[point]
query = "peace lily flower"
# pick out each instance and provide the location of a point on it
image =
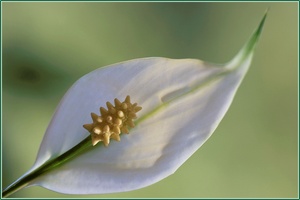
(160, 110)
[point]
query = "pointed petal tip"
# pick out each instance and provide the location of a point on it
(250, 45)
(248, 49)
(261, 25)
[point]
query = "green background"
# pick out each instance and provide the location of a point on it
(253, 153)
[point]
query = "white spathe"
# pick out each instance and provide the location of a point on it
(158, 145)
(183, 102)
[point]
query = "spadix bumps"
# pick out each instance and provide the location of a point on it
(113, 121)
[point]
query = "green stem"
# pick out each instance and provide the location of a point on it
(58, 161)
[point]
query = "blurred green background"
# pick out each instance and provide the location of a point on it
(253, 153)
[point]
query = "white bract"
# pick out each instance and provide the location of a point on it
(182, 103)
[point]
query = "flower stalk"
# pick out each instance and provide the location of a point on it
(78, 149)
